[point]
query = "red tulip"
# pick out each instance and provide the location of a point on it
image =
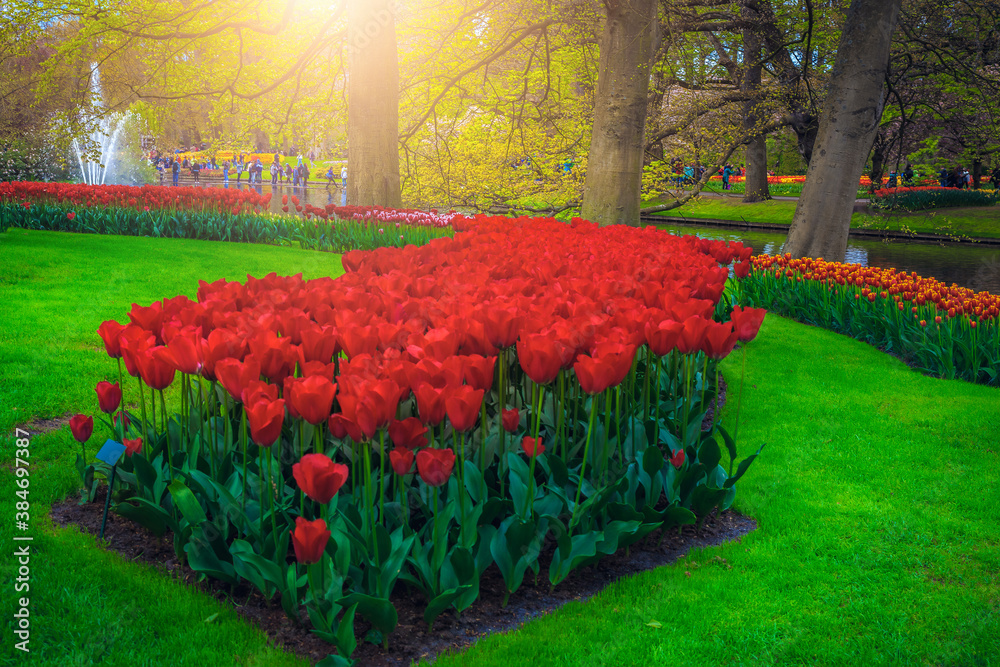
(409, 433)
(133, 447)
(342, 427)
(479, 371)
(693, 334)
(747, 322)
(319, 477)
(719, 340)
(220, 344)
(185, 349)
(502, 324)
(311, 397)
(462, 405)
(82, 427)
(662, 337)
(265, 419)
(375, 407)
(109, 332)
(236, 375)
(742, 269)
(435, 465)
(677, 460)
(532, 446)
(149, 318)
(133, 343)
(594, 375)
(319, 345)
(157, 368)
(401, 460)
(511, 420)
(430, 403)
(70, 216)
(276, 356)
(258, 390)
(540, 357)
(309, 540)
(109, 396)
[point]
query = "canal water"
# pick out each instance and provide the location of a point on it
(965, 264)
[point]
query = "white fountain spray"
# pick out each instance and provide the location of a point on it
(104, 135)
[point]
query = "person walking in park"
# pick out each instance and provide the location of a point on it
(343, 177)
(275, 170)
(239, 171)
(225, 173)
(329, 177)
(288, 173)
(176, 171)
(995, 178)
(727, 171)
(196, 171)
(908, 174)
(305, 175)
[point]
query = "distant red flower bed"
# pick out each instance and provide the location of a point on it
(146, 197)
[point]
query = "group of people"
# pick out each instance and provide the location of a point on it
(959, 177)
(297, 176)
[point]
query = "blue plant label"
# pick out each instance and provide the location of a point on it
(111, 452)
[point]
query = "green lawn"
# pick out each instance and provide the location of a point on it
(877, 497)
(968, 221)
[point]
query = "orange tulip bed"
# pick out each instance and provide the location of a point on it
(952, 332)
(437, 412)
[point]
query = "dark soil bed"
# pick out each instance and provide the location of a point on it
(411, 640)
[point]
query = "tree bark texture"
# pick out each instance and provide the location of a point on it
(612, 188)
(851, 116)
(755, 183)
(372, 105)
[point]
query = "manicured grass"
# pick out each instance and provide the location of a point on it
(89, 606)
(876, 497)
(968, 221)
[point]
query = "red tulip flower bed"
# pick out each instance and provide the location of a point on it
(209, 214)
(952, 331)
(928, 197)
(435, 412)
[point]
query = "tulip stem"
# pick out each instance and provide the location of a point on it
(381, 475)
(184, 385)
(483, 433)
(645, 389)
(656, 398)
(163, 418)
(270, 501)
(243, 442)
(121, 404)
(561, 408)
(260, 478)
(502, 407)
(369, 501)
(583, 468)
(142, 404)
(302, 452)
(607, 432)
(461, 486)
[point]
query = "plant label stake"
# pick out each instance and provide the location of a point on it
(109, 453)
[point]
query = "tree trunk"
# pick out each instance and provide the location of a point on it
(851, 116)
(611, 191)
(879, 146)
(373, 105)
(755, 185)
(977, 172)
